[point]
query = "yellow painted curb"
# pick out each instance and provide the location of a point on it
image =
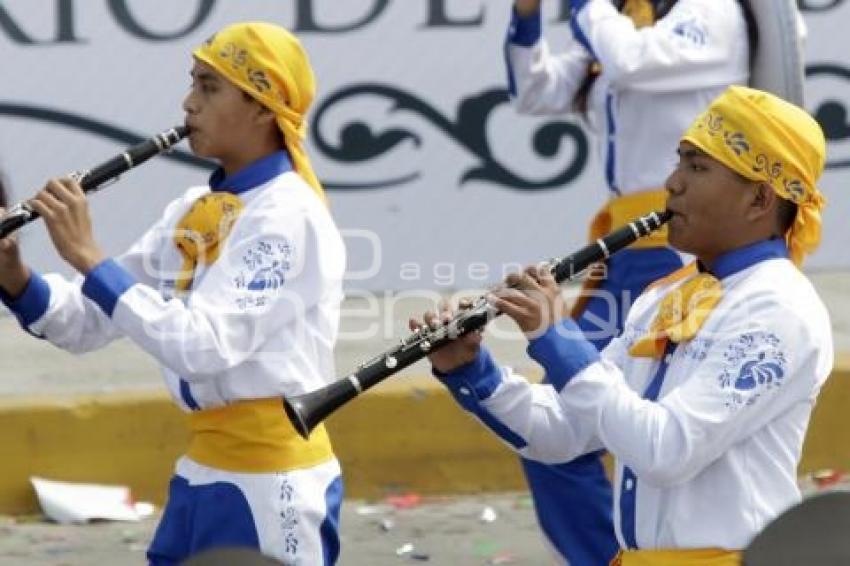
(128, 439)
(407, 434)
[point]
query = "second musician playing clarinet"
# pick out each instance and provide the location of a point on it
(705, 398)
(235, 291)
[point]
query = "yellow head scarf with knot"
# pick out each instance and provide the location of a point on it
(269, 64)
(765, 138)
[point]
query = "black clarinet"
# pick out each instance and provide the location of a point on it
(93, 179)
(308, 410)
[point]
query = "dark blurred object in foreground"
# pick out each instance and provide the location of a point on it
(813, 533)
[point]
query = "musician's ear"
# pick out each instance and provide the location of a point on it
(264, 115)
(763, 197)
(262, 112)
(762, 204)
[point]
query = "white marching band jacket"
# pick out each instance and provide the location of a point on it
(714, 458)
(259, 322)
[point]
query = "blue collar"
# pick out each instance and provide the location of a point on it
(260, 171)
(742, 258)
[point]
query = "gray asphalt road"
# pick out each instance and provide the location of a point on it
(480, 530)
(467, 531)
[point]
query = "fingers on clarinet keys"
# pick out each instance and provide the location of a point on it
(5, 243)
(520, 281)
(467, 304)
(414, 325)
(432, 319)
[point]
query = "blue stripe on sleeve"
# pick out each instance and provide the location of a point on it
(106, 283)
(578, 33)
(481, 376)
(31, 305)
(563, 351)
(475, 382)
(525, 31)
(500, 429)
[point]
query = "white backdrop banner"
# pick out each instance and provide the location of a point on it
(433, 178)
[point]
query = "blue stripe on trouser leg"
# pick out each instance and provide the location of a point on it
(197, 518)
(170, 543)
(628, 274)
(329, 530)
(573, 500)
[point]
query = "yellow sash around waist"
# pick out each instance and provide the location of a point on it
(684, 557)
(619, 211)
(616, 213)
(254, 436)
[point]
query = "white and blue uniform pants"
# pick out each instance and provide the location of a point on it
(291, 516)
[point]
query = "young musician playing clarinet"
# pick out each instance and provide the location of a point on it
(235, 291)
(636, 72)
(705, 398)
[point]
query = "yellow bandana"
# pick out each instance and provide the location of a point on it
(765, 138)
(641, 12)
(681, 313)
(269, 64)
(202, 230)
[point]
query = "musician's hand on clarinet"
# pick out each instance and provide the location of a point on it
(14, 275)
(532, 299)
(64, 207)
(456, 353)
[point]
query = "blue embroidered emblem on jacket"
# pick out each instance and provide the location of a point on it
(263, 273)
(272, 277)
(754, 365)
(692, 31)
(758, 372)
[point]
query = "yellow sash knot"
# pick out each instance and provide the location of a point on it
(202, 231)
(681, 314)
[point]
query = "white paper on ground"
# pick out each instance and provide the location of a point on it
(66, 502)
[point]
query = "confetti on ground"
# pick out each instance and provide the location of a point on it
(488, 515)
(406, 501)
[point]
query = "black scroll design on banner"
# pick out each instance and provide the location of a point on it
(818, 5)
(97, 128)
(359, 143)
(831, 113)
